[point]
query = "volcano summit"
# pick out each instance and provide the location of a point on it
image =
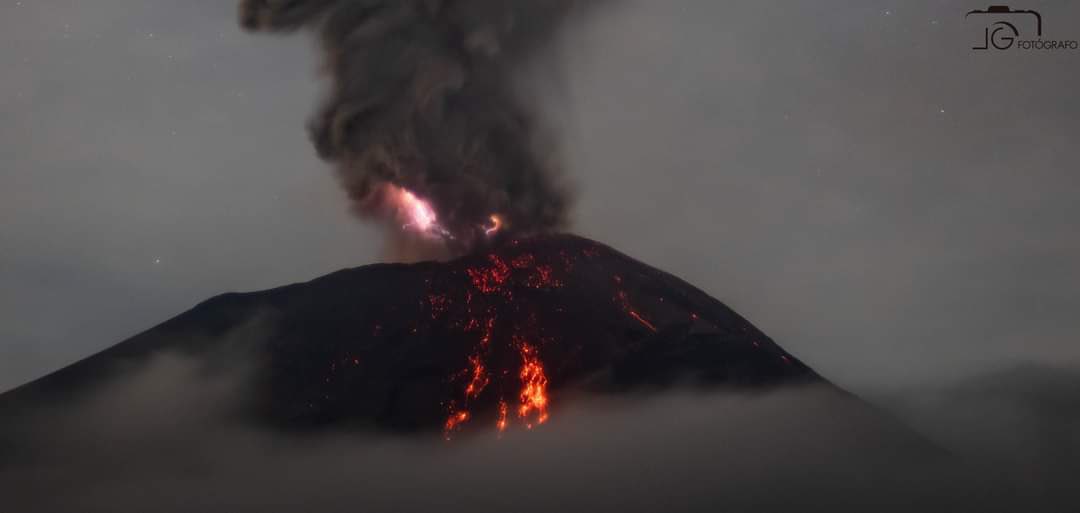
(492, 341)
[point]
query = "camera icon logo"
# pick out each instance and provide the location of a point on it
(1002, 32)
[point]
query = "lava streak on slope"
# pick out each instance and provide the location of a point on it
(493, 341)
(497, 339)
(511, 306)
(490, 291)
(533, 386)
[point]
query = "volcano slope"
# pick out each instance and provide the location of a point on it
(491, 341)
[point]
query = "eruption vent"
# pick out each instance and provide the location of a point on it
(421, 101)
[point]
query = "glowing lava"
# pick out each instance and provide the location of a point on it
(491, 279)
(456, 420)
(489, 304)
(624, 302)
(504, 362)
(479, 377)
(533, 395)
(503, 411)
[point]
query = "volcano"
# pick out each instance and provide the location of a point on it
(495, 340)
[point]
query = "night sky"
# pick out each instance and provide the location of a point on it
(888, 204)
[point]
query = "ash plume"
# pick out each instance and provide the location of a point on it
(422, 100)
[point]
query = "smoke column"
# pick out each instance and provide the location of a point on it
(422, 114)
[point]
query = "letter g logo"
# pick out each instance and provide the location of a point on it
(1000, 36)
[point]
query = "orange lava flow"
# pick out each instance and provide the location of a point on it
(479, 377)
(439, 304)
(503, 411)
(455, 420)
(624, 302)
(642, 320)
(490, 280)
(534, 399)
(489, 290)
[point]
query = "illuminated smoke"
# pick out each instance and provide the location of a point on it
(415, 214)
(421, 99)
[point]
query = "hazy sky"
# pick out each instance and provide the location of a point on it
(887, 203)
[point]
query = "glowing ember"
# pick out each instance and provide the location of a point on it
(490, 286)
(503, 411)
(642, 320)
(533, 386)
(543, 278)
(489, 289)
(479, 377)
(489, 280)
(523, 261)
(455, 421)
(439, 304)
(624, 303)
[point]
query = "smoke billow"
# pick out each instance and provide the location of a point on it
(422, 99)
(168, 432)
(165, 438)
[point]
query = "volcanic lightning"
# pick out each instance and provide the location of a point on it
(417, 214)
(423, 98)
(496, 225)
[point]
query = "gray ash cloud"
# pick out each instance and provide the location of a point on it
(422, 97)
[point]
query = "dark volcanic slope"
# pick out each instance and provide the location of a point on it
(495, 339)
